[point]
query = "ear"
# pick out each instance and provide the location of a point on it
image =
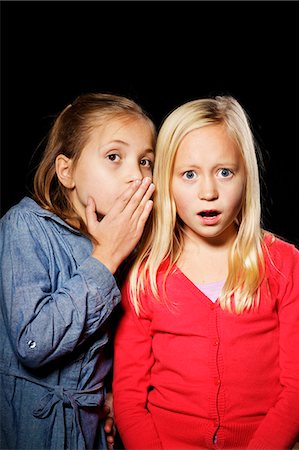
(63, 167)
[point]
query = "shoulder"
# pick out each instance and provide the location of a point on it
(281, 258)
(29, 229)
(20, 218)
(26, 210)
(28, 216)
(279, 248)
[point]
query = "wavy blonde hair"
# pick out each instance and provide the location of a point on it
(68, 136)
(163, 238)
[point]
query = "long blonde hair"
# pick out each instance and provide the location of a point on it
(68, 136)
(164, 236)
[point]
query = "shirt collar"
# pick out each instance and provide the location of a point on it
(31, 204)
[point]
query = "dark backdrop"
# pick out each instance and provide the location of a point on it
(161, 54)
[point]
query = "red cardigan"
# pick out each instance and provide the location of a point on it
(196, 377)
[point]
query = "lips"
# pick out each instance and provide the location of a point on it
(209, 217)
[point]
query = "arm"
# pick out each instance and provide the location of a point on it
(50, 305)
(133, 360)
(280, 427)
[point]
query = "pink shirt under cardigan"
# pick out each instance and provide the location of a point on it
(197, 377)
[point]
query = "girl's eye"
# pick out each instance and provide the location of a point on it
(113, 157)
(146, 163)
(225, 173)
(189, 175)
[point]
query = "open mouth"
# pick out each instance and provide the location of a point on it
(210, 217)
(211, 213)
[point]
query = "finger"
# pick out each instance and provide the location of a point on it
(144, 216)
(142, 212)
(90, 213)
(110, 437)
(141, 196)
(110, 446)
(122, 201)
(105, 411)
(147, 196)
(108, 427)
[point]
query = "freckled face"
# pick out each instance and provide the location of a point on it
(115, 155)
(208, 183)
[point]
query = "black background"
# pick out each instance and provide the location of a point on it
(161, 54)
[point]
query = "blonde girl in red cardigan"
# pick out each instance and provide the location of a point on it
(206, 354)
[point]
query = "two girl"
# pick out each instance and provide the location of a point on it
(206, 353)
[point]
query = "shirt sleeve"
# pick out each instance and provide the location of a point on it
(50, 306)
(280, 427)
(133, 360)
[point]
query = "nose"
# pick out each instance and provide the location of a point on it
(208, 189)
(134, 173)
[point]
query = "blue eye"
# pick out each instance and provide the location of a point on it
(189, 175)
(225, 173)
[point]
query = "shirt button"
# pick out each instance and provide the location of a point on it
(216, 342)
(31, 344)
(217, 381)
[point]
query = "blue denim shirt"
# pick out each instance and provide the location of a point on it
(56, 301)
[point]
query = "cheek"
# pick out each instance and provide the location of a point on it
(181, 202)
(147, 172)
(175, 196)
(234, 198)
(106, 195)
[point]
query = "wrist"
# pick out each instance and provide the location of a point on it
(107, 260)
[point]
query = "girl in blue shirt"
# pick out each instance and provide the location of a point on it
(59, 251)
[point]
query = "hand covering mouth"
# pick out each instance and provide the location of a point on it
(209, 213)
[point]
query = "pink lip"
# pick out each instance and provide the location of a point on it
(209, 219)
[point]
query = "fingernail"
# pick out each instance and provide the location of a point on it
(145, 180)
(137, 182)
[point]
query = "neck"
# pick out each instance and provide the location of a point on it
(198, 243)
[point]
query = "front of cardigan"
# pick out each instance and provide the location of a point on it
(193, 376)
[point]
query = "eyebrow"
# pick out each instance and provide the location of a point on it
(149, 150)
(119, 141)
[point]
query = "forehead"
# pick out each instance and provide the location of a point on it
(123, 128)
(133, 134)
(113, 123)
(208, 143)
